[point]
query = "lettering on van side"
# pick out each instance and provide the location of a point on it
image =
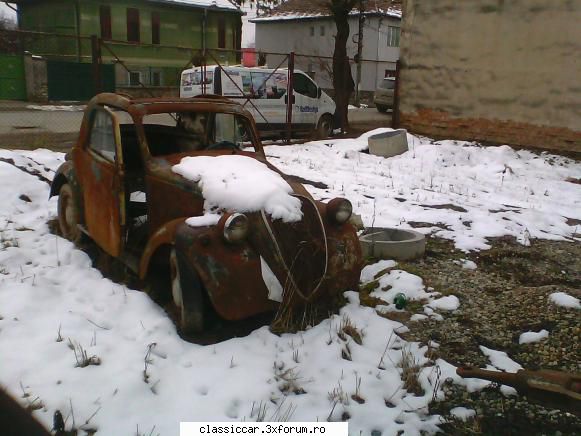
(313, 109)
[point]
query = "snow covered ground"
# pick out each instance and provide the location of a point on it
(54, 304)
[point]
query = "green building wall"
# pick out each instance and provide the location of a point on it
(179, 27)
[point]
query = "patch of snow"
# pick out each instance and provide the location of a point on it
(398, 281)
(369, 272)
(564, 300)
(462, 413)
(241, 184)
(528, 337)
(222, 4)
(467, 192)
(138, 197)
(120, 326)
(275, 289)
(209, 219)
(449, 302)
(361, 106)
(500, 360)
(56, 108)
(466, 264)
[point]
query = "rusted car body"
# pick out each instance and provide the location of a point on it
(118, 154)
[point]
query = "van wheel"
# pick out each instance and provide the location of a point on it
(381, 108)
(325, 127)
(68, 214)
(187, 294)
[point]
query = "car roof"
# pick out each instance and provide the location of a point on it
(210, 103)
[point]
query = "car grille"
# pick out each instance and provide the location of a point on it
(302, 246)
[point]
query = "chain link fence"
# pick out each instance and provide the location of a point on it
(47, 78)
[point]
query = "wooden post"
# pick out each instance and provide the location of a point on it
(395, 111)
(290, 95)
(96, 60)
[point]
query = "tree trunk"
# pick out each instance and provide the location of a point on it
(342, 78)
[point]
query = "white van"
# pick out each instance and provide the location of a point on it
(266, 90)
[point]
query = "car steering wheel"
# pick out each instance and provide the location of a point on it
(223, 145)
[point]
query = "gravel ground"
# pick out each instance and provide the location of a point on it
(506, 295)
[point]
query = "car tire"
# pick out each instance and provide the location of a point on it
(68, 214)
(187, 295)
(325, 127)
(381, 108)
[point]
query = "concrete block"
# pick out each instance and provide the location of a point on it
(390, 243)
(388, 144)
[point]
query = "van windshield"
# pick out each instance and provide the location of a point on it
(195, 78)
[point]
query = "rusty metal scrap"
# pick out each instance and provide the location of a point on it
(557, 389)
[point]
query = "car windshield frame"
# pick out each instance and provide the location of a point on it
(140, 110)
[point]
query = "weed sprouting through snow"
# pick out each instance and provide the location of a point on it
(410, 371)
(81, 357)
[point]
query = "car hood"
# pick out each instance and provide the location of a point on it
(296, 252)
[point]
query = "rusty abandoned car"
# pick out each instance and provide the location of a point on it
(121, 187)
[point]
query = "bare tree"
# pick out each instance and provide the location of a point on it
(262, 6)
(342, 78)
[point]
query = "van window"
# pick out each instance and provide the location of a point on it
(303, 85)
(265, 85)
(195, 78)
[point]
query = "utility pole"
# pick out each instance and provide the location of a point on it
(359, 51)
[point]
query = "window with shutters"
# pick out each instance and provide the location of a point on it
(155, 28)
(133, 25)
(105, 19)
(221, 33)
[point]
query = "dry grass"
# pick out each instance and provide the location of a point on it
(410, 371)
(347, 328)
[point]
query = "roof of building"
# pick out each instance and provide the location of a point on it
(312, 9)
(218, 4)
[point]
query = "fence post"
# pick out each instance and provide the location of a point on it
(290, 95)
(96, 60)
(395, 110)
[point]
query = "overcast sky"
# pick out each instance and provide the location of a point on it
(247, 28)
(6, 11)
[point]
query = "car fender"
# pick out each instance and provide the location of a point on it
(165, 235)
(231, 273)
(66, 174)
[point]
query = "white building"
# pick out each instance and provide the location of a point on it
(306, 27)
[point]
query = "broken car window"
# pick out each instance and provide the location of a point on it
(102, 139)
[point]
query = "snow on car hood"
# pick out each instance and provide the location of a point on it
(241, 184)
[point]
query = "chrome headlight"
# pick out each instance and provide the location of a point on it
(236, 227)
(339, 210)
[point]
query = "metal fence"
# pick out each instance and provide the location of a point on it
(45, 79)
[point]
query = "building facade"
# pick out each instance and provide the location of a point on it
(306, 28)
(490, 70)
(154, 38)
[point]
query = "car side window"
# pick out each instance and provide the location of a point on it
(102, 138)
(303, 85)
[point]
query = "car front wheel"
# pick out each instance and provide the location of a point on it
(68, 214)
(381, 108)
(187, 295)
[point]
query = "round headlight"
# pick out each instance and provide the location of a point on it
(339, 210)
(236, 227)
